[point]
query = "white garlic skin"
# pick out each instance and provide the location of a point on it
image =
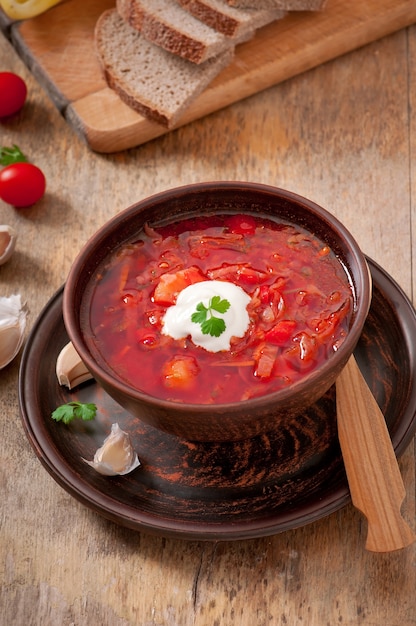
(8, 238)
(70, 370)
(116, 456)
(13, 316)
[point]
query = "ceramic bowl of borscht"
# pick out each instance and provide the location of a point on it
(218, 311)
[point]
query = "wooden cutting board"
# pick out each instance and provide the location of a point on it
(58, 47)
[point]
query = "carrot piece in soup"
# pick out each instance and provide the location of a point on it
(170, 285)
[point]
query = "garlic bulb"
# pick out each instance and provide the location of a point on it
(12, 327)
(8, 238)
(70, 369)
(116, 456)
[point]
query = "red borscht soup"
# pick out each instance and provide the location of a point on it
(220, 308)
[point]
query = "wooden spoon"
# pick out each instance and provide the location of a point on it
(373, 474)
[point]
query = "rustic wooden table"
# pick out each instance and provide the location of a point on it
(344, 135)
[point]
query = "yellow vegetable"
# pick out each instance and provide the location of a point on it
(24, 9)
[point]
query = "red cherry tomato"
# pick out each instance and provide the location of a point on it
(13, 93)
(22, 184)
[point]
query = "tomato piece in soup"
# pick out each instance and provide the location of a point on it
(281, 333)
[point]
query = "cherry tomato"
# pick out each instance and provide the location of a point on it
(22, 184)
(13, 93)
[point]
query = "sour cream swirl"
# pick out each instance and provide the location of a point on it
(177, 322)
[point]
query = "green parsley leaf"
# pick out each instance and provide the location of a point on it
(219, 305)
(8, 156)
(213, 326)
(200, 314)
(67, 412)
(210, 324)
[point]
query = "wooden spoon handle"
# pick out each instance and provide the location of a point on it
(373, 474)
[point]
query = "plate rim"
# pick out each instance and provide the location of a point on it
(137, 519)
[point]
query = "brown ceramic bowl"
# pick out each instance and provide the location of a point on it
(221, 422)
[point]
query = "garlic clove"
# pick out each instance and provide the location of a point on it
(13, 316)
(8, 238)
(70, 369)
(116, 456)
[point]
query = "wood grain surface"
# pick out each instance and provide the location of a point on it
(58, 45)
(342, 134)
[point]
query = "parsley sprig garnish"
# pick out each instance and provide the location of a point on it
(210, 324)
(67, 412)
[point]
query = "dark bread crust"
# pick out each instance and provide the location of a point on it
(196, 47)
(160, 32)
(228, 20)
(285, 5)
(138, 106)
(221, 22)
(153, 82)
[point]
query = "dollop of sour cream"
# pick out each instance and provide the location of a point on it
(177, 321)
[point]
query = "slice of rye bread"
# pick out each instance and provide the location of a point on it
(150, 80)
(167, 24)
(229, 20)
(285, 5)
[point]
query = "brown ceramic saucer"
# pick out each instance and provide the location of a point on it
(238, 490)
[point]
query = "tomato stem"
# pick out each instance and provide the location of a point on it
(8, 156)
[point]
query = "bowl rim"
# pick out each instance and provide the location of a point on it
(361, 277)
